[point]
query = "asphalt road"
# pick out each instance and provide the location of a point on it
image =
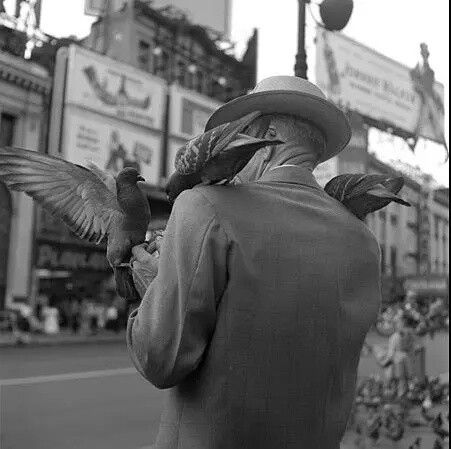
(90, 397)
(75, 397)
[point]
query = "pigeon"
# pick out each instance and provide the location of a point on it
(91, 202)
(437, 427)
(364, 194)
(416, 444)
(217, 155)
(439, 443)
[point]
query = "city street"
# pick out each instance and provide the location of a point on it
(90, 397)
(75, 397)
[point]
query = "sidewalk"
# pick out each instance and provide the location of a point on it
(65, 338)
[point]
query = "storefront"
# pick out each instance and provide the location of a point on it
(428, 287)
(24, 90)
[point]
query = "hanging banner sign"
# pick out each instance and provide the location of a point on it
(379, 88)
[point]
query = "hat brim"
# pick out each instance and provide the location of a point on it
(322, 113)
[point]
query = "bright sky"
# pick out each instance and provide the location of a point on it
(392, 27)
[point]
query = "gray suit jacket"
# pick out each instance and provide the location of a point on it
(257, 317)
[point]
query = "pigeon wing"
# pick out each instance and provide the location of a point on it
(108, 179)
(74, 193)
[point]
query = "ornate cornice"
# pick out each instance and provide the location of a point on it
(24, 74)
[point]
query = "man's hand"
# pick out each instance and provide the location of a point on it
(145, 265)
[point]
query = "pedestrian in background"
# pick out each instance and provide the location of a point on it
(400, 354)
(75, 315)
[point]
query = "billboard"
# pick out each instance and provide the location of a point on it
(110, 144)
(112, 114)
(217, 15)
(114, 89)
(379, 88)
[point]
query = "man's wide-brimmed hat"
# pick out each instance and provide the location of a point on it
(294, 96)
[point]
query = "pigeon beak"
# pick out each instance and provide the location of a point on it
(382, 192)
(243, 140)
(141, 179)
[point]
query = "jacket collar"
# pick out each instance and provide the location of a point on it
(292, 175)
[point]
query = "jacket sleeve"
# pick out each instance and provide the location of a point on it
(167, 335)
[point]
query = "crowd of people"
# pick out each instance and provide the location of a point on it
(75, 314)
(424, 316)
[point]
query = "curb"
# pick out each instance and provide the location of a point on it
(65, 341)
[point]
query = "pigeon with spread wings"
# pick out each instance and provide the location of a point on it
(93, 203)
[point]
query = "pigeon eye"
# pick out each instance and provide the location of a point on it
(272, 133)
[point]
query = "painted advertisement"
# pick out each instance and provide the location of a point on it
(109, 87)
(111, 145)
(377, 87)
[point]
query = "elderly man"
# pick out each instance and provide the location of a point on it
(264, 293)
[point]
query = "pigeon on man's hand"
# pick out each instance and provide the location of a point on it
(215, 156)
(364, 194)
(91, 202)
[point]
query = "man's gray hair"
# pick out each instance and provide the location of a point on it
(303, 132)
(294, 128)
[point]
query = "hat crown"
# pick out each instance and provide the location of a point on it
(289, 83)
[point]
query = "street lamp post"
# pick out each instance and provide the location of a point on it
(335, 15)
(300, 69)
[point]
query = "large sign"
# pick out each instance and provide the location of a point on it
(217, 15)
(114, 89)
(377, 87)
(69, 257)
(111, 145)
(112, 114)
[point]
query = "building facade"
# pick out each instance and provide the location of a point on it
(24, 95)
(167, 44)
(414, 241)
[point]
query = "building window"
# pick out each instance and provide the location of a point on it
(437, 227)
(394, 261)
(394, 220)
(7, 128)
(144, 56)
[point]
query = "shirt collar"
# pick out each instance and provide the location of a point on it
(291, 174)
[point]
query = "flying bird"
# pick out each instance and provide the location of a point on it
(217, 155)
(364, 194)
(93, 203)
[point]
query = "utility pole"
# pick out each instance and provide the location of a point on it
(300, 69)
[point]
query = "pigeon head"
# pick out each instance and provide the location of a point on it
(129, 175)
(364, 194)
